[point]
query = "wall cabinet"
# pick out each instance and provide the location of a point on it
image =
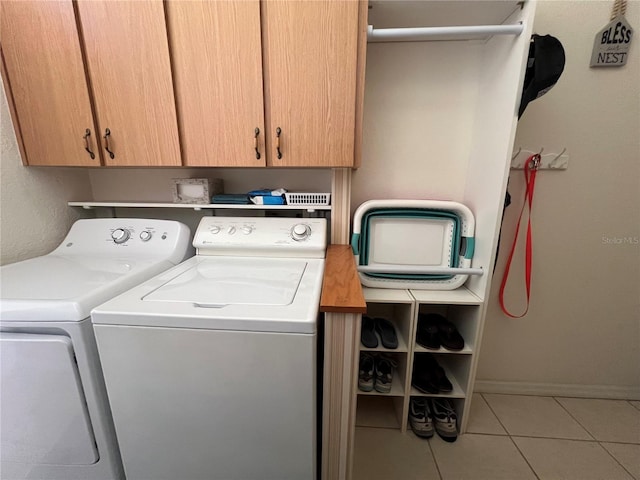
(256, 83)
(44, 75)
(306, 56)
(126, 57)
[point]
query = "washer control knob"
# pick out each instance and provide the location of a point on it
(120, 235)
(300, 232)
(231, 230)
(145, 235)
(215, 229)
(247, 230)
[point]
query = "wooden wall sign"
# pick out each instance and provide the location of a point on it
(612, 43)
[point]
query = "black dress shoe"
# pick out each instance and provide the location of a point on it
(427, 333)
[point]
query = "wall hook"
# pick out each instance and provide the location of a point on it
(517, 153)
(557, 157)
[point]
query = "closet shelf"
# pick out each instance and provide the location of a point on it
(420, 34)
(196, 207)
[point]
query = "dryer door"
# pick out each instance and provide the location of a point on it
(44, 412)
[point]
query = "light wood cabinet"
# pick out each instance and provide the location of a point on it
(130, 71)
(217, 66)
(46, 84)
(103, 68)
(310, 58)
(305, 54)
(256, 83)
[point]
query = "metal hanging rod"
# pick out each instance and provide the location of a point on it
(416, 34)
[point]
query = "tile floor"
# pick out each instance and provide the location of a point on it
(514, 437)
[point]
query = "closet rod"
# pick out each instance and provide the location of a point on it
(433, 33)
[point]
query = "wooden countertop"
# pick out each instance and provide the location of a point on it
(341, 288)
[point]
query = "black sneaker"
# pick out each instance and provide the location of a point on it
(445, 419)
(420, 417)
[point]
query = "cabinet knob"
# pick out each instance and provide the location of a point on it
(107, 134)
(257, 132)
(87, 134)
(278, 132)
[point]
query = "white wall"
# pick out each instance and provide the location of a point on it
(34, 216)
(581, 335)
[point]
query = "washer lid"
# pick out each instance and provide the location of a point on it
(239, 281)
(255, 294)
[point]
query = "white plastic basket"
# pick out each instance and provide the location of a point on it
(294, 198)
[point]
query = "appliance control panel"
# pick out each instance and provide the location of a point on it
(260, 236)
(127, 236)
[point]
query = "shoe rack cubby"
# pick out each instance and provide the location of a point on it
(386, 410)
(403, 308)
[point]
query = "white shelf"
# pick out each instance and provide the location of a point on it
(417, 348)
(197, 207)
(378, 412)
(386, 295)
(407, 13)
(459, 296)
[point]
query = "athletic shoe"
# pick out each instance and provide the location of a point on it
(384, 374)
(365, 373)
(420, 417)
(445, 418)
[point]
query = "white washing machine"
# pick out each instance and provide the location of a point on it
(55, 417)
(210, 367)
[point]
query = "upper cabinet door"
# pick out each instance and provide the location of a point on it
(217, 65)
(310, 57)
(46, 83)
(128, 60)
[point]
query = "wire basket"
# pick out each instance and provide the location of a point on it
(308, 198)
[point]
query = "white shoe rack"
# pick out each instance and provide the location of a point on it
(402, 307)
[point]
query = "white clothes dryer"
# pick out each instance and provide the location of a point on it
(55, 418)
(210, 367)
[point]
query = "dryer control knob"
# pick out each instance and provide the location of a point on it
(231, 230)
(214, 229)
(300, 232)
(145, 235)
(120, 235)
(247, 230)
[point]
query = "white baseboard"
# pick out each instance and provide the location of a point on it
(558, 390)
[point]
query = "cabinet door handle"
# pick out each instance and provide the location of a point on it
(278, 132)
(87, 134)
(257, 132)
(107, 134)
